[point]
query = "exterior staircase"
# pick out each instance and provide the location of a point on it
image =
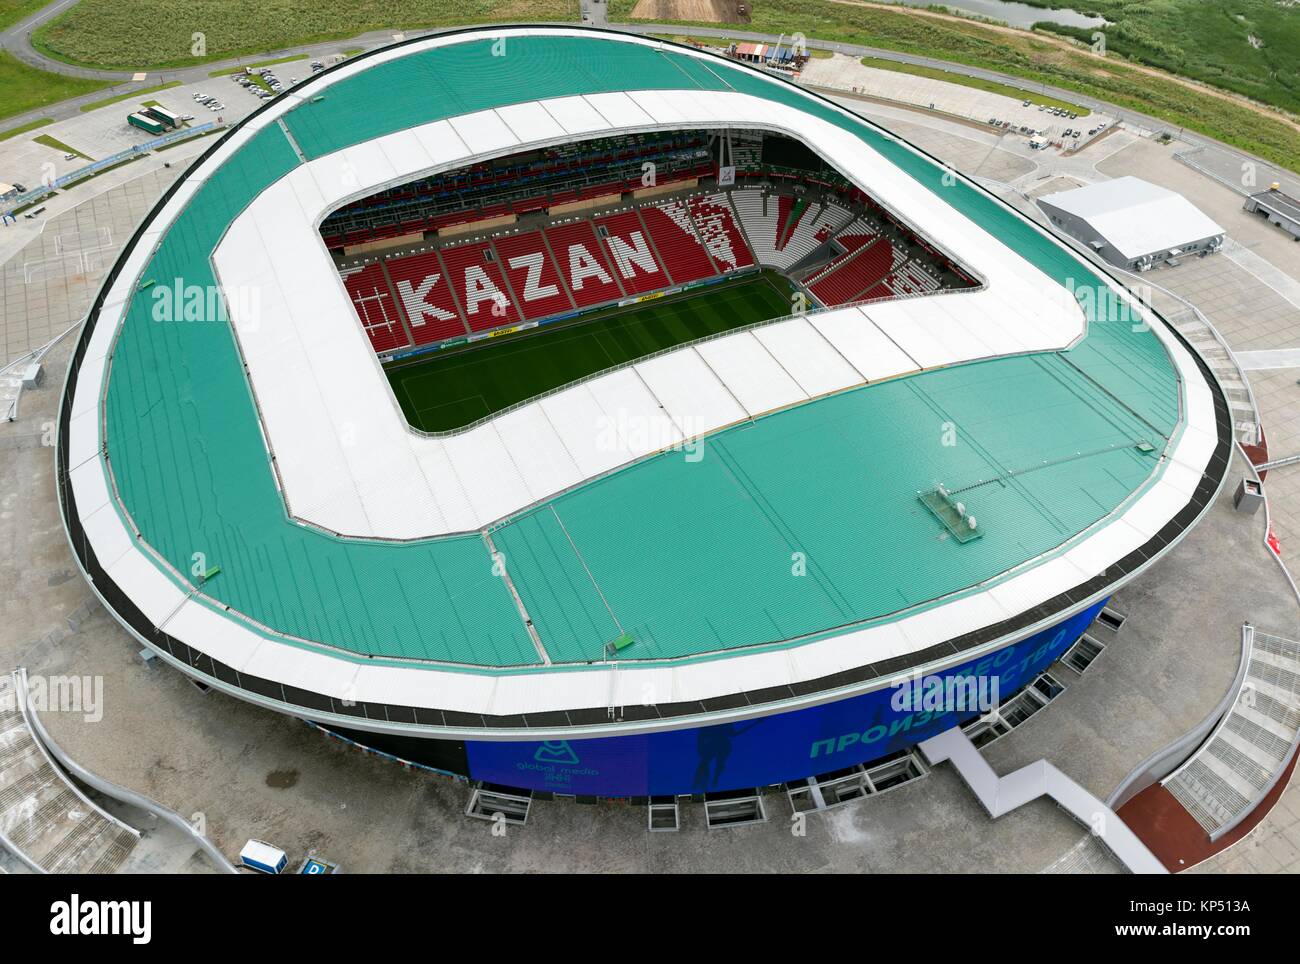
(1251, 747)
(44, 819)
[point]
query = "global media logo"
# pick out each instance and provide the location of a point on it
(556, 751)
(557, 764)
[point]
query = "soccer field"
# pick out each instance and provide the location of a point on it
(450, 390)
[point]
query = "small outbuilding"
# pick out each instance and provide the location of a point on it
(1132, 223)
(1280, 209)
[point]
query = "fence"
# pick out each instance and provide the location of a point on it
(81, 173)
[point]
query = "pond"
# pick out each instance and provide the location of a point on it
(1016, 14)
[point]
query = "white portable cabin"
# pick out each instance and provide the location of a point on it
(263, 858)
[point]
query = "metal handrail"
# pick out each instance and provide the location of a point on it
(1171, 754)
(34, 355)
(1223, 343)
(118, 792)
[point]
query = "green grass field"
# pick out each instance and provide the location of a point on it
(49, 140)
(129, 95)
(11, 11)
(26, 88)
(1251, 47)
(450, 390)
(24, 128)
(227, 71)
(155, 34)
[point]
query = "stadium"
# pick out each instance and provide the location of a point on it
(587, 414)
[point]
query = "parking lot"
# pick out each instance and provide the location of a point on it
(103, 132)
(1021, 116)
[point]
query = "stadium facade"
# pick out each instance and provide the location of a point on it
(723, 592)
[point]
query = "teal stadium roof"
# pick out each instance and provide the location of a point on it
(692, 558)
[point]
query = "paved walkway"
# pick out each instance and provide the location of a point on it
(1269, 358)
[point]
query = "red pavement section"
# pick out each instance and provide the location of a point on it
(1176, 839)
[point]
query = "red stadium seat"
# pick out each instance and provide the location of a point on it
(784, 205)
(479, 286)
(853, 273)
(582, 261)
(683, 255)
(375, 308)
(425, 295)
(717, 226)
(533, 275)
(631, 254)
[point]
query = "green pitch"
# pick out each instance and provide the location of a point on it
(449, 390)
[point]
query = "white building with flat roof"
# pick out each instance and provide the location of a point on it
(1132, 223)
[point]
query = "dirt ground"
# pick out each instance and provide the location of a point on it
(702, 11)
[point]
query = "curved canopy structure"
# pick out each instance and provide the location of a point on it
(243, 491)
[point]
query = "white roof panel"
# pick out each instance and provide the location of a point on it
(751, 374)
(575, 115)
(543, 461)
(631, 423)
(690, 392)
(83, 438)
(809, 358)
(1137, 217)
(530, 122)
(867, 348)
(89, 487)
(657, 106)
(906, 327)
(619, 110)
(406, 155)
(137, 576)
(108, 537)
(224, 640)
(452, 505)
(441, 142)
(488, 473)
(483, 132)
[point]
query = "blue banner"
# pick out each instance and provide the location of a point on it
(774, 749)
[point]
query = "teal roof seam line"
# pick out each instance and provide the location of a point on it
(587, 569)
(694, 560)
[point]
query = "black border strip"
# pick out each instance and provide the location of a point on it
(315, 703)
